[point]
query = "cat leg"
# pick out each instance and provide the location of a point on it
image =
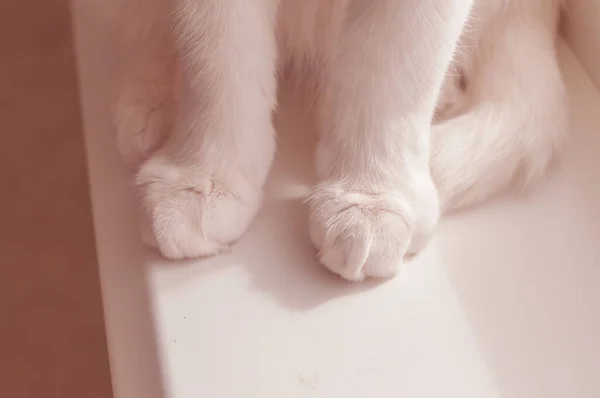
(144, 106)
(204, 186)
(376, 201)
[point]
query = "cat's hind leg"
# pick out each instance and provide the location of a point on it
(517, 120)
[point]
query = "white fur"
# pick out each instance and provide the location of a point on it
(516, 117)
(379, 68)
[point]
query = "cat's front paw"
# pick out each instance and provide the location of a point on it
(194, 212)
(361, 233)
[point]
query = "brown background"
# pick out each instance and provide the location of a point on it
(52, 341)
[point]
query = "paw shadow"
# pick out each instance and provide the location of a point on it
(289, 271)
(278, 258)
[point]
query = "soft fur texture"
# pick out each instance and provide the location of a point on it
(195, 114)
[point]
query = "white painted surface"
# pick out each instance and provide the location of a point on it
(504, 303)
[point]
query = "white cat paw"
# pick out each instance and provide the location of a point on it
(193, 213)
(361, 234)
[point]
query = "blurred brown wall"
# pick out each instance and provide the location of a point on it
(52, 341)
